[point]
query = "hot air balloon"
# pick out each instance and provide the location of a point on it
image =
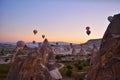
(20, 44)
(43, 36)
(110, 18)
(87, 28)
(88, 32)
(34, 42)
(56, 43)
(35, 31)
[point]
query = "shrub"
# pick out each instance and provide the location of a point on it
(63, 71)
(80, 67)
(69, 66)
(4, 68)
(86, 68)
(58, 57)
(69, 72)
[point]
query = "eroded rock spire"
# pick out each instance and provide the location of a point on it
(108, 58)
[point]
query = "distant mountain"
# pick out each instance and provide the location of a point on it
(90, 43)
(10, 43)
(30, 44)
(61, 43)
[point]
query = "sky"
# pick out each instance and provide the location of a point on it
(58, 20)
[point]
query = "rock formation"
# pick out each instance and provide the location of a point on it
(73, 51)
(108, 57)
(93, 55)
(47, 53)
(49, 60)
(33, 63)
(28, 67)
(82, 51)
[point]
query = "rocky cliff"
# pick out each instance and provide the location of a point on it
(108, 57)
(31, 63)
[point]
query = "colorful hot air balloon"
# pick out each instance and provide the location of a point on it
(34, 42)
(20, 44)
(35, 31)
(43, 36)
(87, 28)
(56, 43)
(110, 18)
(88, 32)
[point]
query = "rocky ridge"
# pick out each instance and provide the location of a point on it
(31, 63)
(108, 57)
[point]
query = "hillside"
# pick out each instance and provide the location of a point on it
(90, 42)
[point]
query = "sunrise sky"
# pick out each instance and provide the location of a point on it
(59, 20)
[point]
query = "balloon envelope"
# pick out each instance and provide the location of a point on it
(43, 36)
(87, 28)
(88, 32)
(20, 44)
(34, 42)
(35, 31)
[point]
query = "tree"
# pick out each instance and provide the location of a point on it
(58, 57)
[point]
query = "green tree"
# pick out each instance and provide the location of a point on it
(58, 57)
(69, 72)
(69, 66)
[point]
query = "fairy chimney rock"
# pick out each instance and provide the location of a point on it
(49, 60)
(28, 67)
(108, 57)
(46, 44)
(114, 26)
(47, 53)
(73, 51)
